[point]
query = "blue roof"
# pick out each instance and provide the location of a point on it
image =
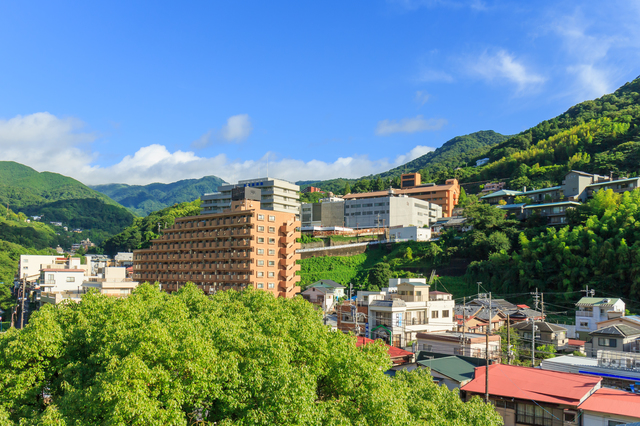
(511, 206)
(610, 182)
(559, 203)
(553, 188)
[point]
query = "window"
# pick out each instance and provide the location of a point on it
(259, 274)
(426, 347)
(260, 262)
(584, 324)
(271, 274)
(125, 291)
(260, 240)
(612, 343)
(271, 285)
(272, 229)
(260, 251)
(445, 314)
(272, 263)
(260, 285)
(260, 228)
(272, 218)
(570, 417)
(272, 240)
(272, 252)
(260, 217)
(434, 314)
(533, 415)
(614, 423)
(71, 279)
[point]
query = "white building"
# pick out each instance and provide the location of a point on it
(277, 194)
(390, 211)
(60, 280)
(457, 343)
(412, 310)
(410, 233)
(592, 310)
(114, 283)
(30, 265)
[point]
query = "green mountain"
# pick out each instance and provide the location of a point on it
(144, 199)
(140, 233)
(456, 152)
(60, 198)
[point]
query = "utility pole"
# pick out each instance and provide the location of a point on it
(533, 342)
(508, 340)
(464, 323)
(479, 283)
(542, 304)
(486, 355)
(536, 297)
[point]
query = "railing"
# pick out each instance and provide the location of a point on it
(584, 313)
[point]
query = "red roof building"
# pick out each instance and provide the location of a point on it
(398, 356)
(531, 395)
(611, 405)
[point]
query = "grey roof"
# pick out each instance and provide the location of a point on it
(610, 182)
(559, 203)
(388, 303)
(511, 206)
(495, 303)
(618, 330)
(329, 283)
(597, 301)
(501, 193)
(536, 191)
(542, 326)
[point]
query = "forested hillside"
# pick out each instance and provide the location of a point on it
(457, 152)
(144, 199)
(59, 198)
(143, 230)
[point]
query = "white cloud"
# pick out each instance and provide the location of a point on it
(452, 4)
(422, 97)
(237, 129)
(409, 125)
(431, 75)
(503, 66)
(48, 143)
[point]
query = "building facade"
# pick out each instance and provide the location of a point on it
(592, 310)
(277, 195)
(323, 214)
(389, 211)
(245, 246)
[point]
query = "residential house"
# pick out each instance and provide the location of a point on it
(458, 343)
(609, 407)
(398, 356)
(492, 187)
(56, 284)
(322, 295)
(505, 195)
(456, 223)
(30, 265)
(452, 371)
(123, 259)
(617, 186)
(114, 283)
(618, 338)
(337, 287)
(592, 310)
(546, 333)
(532, 396)
(630, 320)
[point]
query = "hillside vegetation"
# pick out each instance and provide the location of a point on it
(145, 199)
(456, 152)
(140, 233)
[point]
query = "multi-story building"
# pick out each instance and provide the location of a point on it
(446, 196)
(390, 211)
(30, 265)
(592, 310)
(458, 343)
(323, 214)
(277, 195)
(245, 246)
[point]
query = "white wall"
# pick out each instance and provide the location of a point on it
(32, 264)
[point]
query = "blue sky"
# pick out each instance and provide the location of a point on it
(141, 92)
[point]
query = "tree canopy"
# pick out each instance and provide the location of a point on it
(234, 358)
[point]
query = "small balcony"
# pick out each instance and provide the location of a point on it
(588, 314)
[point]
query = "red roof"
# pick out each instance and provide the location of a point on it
(528, 383)
(523, 306)
(576, 342)
(613, 401)
(394, 353)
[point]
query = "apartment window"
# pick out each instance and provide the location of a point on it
(272, 240)
(611, 343)
(260, 262)
(260, 285)
(271, 274)
(272, 252)
(434, 314)
(260, 274)
(272, 218)
(260, 228)
(272, 229)
(71, 279)
(445, 314)
(260, 251)
(260, 217)
(272, 263)
(260, 240)
(272, 285)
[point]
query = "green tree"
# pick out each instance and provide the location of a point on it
(347, 188)
(379, 275)
(234, 358)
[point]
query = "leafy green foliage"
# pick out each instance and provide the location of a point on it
(143, 230)
(145, 199)
(234, 358)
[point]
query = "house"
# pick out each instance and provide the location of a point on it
(399, 317)
(321, 295)
(592, 310)
(620, 370)
(505, 195)
(338, 289)
(618, 338)
(608, 407)
(457, 343)
(492, 187)
(115, 283)
(531, 396)
(451, 371)
(546, 333)
(398, 356)
(456, 223)
(631, 320)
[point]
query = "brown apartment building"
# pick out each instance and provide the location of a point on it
(242, 247)
(446, 196)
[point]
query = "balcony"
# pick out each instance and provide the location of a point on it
(588, 314)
